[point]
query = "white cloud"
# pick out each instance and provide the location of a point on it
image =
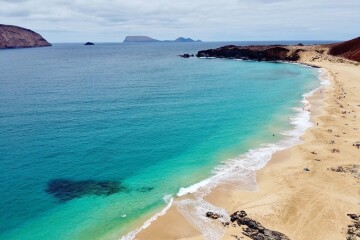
(98, 20)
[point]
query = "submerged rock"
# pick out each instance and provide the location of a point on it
(145, 189)
(65, 190)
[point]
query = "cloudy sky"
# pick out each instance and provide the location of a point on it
(209, 20)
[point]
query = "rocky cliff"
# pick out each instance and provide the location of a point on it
(258, 53)
(349, 49)
(18, 37)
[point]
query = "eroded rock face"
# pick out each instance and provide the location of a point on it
(349, 49)
(353, 232)
(257, 53)
(254, 229)
(250, 227)
(65, 189)
(18, 37)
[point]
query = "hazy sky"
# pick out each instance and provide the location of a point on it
(209, 20)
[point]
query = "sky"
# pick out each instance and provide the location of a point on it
(208, 20)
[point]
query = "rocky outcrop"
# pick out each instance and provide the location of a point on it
(257, 53)
(352, 169)
(18, 37)
(349, 49)
(251, 228)
(353, 232)
(254, 229)
(89, 44)
(343, 50)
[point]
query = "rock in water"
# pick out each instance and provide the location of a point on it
(18, 37)
(213, 215)
(89, 44)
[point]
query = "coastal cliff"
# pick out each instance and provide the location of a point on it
(18, 37)
(348, 50)
(258, 53)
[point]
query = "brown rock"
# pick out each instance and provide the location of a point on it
(18, 37)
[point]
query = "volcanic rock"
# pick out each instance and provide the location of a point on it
(257, 53)
(349, 49)
(18, 37)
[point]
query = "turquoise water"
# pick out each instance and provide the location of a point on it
(136, 117)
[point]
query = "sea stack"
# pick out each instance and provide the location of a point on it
(18, 37)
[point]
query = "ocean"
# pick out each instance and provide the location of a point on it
(94, 140)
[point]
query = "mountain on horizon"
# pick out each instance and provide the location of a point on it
(141, 39)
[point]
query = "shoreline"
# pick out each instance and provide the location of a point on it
(289, 140)
(224, 197)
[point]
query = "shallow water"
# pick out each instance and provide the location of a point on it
(122, 126)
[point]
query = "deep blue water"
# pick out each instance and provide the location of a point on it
(133, 114)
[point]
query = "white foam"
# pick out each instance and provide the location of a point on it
(323, 76)
(194, 210)
(169, 199)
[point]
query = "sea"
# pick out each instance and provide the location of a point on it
(97, 140)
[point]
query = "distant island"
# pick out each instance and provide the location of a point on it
(144, 39)
(89, 44)
(18, 37)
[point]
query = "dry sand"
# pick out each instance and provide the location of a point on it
(301, 204)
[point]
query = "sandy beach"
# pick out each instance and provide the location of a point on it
(306, 191)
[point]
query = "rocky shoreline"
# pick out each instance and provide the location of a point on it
(349, 50)
(250, 227)
(257, 53)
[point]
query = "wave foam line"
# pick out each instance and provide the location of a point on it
(194, 210)
(131, 235)
(257, 158)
